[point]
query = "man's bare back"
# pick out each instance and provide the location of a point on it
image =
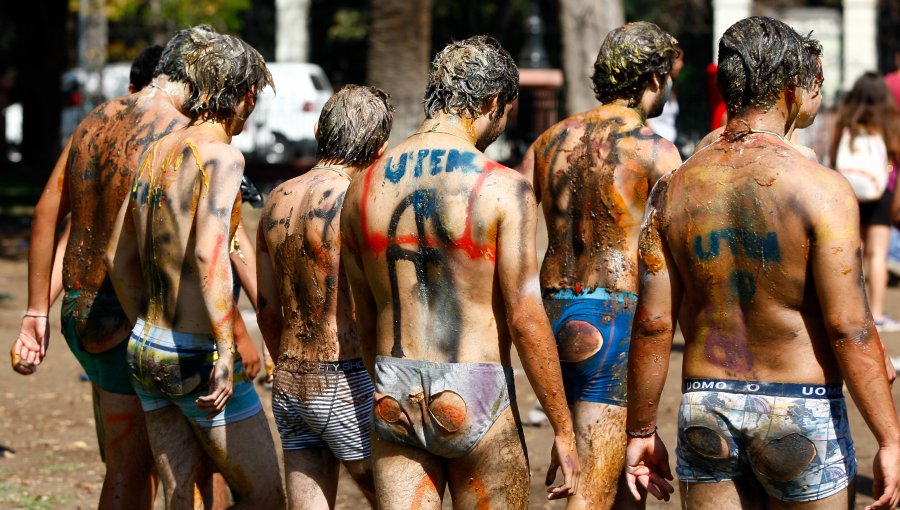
(106, 150)
(432, 208)
(593, 173)
(300, 226)
(746, 264)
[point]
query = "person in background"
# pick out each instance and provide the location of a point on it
(869, 110)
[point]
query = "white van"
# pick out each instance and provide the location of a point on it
(281, 126)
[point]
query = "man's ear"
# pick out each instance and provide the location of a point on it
(380, 151)
(657, 83)
(491, 107)
(131, 88)
(316, 131)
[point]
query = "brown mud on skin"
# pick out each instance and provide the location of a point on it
(577, 340)
(105, 151)
(602, 454)
(449, 410)
(706, 442)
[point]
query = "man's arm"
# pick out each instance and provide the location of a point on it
(123, 262)
(364, 307)
(840, 286)
(212, 235)
(659, 300)
(243, 261)
(530, 329)
(31, 344)
(528, 168)
(269, 314)
(667, 159)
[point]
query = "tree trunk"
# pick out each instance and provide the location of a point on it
(584, 25)
(92, 42)
(399, 54)
(292, 33)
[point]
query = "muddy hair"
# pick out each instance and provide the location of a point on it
(219, 74)
(143, 66)
(353, 125)
(813, 70)
(629, 58)
(172, 61)
(758, 58)
(467, 74)
(870, 106)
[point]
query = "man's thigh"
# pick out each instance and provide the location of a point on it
(244, 453)
(311, 476)
(726, 495)
(495, 473)
(125, 439)
(179, 458)
(600, 438)
(406, 477)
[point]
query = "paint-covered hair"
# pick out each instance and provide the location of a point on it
(813, 69)
(143, 66)
(467, 74)
(758, 58)
(219, 74)
(354, 124)
(628, 59)
(172, 61)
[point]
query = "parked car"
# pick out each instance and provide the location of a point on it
(281, 127)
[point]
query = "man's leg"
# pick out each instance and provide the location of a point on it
(130, 480)
(179, 457)
(729, 495)
(600, 438)
(406, 477)
(311, 476)
(361, 472)
(495, 473)
(245, 455)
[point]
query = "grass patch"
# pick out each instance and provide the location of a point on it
(69, 466)
(14, 496)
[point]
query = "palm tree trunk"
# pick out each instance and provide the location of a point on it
(398, 59)
(585, 24)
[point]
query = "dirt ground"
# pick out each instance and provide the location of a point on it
(48, 447)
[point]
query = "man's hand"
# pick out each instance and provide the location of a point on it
(647, 463)
(249, 355)
(563, 456)
(886, 471)
(31, 346)
(221, 381)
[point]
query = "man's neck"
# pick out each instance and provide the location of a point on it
(453, 125)
(771, 121)
(175, 91)
(623, 103)
(349, 170)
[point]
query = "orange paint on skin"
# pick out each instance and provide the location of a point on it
(376, 242)
(482, 500)
(128, 419)
(426, 489)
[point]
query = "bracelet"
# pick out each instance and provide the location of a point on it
(34, 315)
(641, 434)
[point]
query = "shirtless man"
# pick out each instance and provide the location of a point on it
(756, 249)
(592, 173)
(322, 394)
(92, 178)
(440, 245)
(168, 259)
(809, 100)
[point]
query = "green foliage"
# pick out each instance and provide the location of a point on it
(222, 14)
(349, 25)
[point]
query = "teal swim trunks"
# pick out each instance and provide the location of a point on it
(173, 368)
(107, 369)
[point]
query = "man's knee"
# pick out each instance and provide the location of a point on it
(577, 340)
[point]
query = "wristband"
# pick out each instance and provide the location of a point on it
(641, 434)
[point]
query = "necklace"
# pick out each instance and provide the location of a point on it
(164, 91)
(333, 168)
(766, 132)
(434, 129)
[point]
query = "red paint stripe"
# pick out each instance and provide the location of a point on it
(466, 242)
(376, 242)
